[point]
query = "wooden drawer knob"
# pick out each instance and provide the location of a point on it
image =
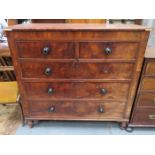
(51, 109)
(103, 91)
(50, 91)
(101, 109)
(108, 50)
(48, 71)
(46, 50)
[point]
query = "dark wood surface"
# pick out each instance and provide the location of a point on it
(144, 107)
(76, 70)
(79, 65)
(77, 110)
(97, 50)
(35, 49)
(76, 90)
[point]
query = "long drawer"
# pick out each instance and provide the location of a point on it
(67, 110)
(108, 50)
(77, 90)
(75, 70)
(45, 49)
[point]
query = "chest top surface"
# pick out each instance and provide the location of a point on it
(74, 27)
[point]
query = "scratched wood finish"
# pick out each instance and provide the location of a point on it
(143, 114)
(77, 54)
(65, 90)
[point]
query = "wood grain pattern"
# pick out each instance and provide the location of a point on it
(120, 50)
(76, 90)
(34, 49)
(76, 110)
(76, 70)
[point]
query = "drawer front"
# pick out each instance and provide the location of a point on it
(72, 70)
(82, 90)
(146, 99)
(148, 84)
(76, 110)
(107, 50)
(150, 68)
(45, 49)
(144, 116)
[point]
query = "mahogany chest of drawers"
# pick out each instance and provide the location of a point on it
(83, 72)
(144, 109)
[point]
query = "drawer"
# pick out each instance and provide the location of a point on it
(150, 68)
(146, 99)
(144, 116)
(72, 70)
(81, 90)
(108, 50)
(45, 49)
(68, 110)
(148, 84)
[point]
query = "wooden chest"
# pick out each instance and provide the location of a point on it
(144, 108)
(77, 71)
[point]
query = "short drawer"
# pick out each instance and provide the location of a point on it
(150, 68)
(68, 110)
(144, 116)
(77, 90)
(146, 99)
(45, 49)
(73, 70)
(148, 84)
(108, 50)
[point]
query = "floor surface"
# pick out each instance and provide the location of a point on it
(80, 128)
(10, 119)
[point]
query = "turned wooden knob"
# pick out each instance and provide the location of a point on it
(48, 71)
(46, 50)
(101, 109)
(108, 50)
(103, 91)
(50, 91)
(51, 109)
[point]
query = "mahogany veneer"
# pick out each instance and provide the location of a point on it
(77, 71)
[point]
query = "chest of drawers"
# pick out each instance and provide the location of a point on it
(83, 72)
(143, 114)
